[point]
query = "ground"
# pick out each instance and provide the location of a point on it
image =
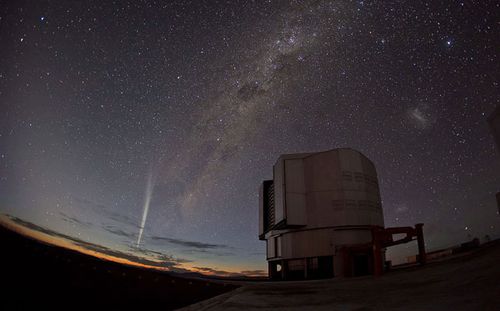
(46, 276)
(467, 282)
(33, 273)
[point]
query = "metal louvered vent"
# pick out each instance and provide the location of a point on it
(269, 204)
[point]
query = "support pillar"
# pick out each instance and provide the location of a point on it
(422, 256)
(377, 252)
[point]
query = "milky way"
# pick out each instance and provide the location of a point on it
(148, 127)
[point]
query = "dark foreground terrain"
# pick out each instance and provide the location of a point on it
(469, 281)
(35, 274)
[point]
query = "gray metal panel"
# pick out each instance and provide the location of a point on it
(261, 209)
(298, 244)
(350, 160)
(271, 248)
(279, 190)
(295, 192)
(279, 246)
(341, 189)
(322, 171)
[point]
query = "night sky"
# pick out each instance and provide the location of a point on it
(110, 109)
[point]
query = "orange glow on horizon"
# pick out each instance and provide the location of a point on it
(62, 242)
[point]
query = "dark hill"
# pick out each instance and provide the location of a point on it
(34, 273)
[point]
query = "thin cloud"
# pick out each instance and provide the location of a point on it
(104, 210)
(74, 220)
(190, 244)
(160, 260)
(118, 231)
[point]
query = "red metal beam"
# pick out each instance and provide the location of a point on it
(383, 237)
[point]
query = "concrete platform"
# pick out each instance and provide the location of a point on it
(467, 282)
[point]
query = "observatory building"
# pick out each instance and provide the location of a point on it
(321, 216)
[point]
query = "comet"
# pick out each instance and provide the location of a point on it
(145, 209)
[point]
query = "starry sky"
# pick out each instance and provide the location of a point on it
(176, 110)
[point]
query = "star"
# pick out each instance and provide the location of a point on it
(206, 98)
